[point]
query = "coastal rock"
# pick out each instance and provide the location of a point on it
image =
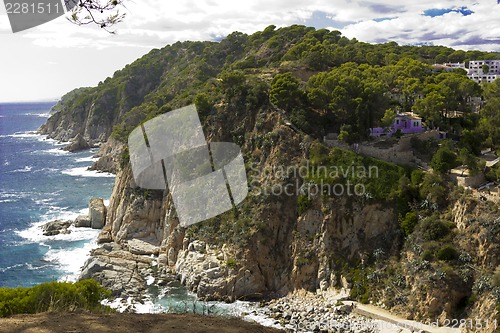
(213, 279)
(105, 235)
(137, 246)
(56, 227)
(104, 164)
(97, 213)
(82, 221)
(78, 143)
(118, 270)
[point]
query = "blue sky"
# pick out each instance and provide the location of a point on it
(49, 60)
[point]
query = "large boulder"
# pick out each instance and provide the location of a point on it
(78, 143)
(97, 213)
(56, 227)
(82, 221)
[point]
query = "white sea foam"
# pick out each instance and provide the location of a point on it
(86, 159)
(43, 115)
(84, 172)
(150, 280)
(46, 170)
(35, 233)
(123, 304)
(7, 200)
(36, 268)
(56, 151)
(70, 261)
(25, 169)
(5, 269)
(12, 197)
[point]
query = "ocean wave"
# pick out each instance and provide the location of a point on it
(25, 169)
(51, 170)
(86, 159)
(71, 260)
(37, 268)
(5, 269)
(56, 151)
(7, 200)
(43, 115)
(84, 172)
(24, 135)
(14, 195)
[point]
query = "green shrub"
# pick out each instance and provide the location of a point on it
(444, 160)
(496, 278)
(428, 255)
(303, 204)
(231, 263)
(124, 158)
(54, 296)
(434, 229)
(409, 223)
(447, 253)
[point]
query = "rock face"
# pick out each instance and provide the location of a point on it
(78, 143)
(97, 213)
(137, 246)
(214, 274)
(56, 227)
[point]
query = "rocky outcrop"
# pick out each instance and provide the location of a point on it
(97, 213)
(82, 221)
(56, 227)
(214, 274)
(119, 270)
(77, 144)
(109, 156)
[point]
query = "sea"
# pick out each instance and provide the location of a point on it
(40, 182)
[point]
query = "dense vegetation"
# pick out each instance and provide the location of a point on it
(85, 295)
(326, 83)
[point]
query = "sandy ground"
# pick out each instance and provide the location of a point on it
(133, 323)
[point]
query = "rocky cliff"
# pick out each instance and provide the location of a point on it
(390, 245)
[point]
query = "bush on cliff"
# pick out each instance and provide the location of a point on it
(83, 295)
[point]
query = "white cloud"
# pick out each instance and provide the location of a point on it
(154, 24)
(451, 29)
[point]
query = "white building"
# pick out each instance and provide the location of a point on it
(477, 70)
(455, 65)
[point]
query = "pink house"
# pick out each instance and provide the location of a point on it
(405, 123)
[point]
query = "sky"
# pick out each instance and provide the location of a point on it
(45, 62)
